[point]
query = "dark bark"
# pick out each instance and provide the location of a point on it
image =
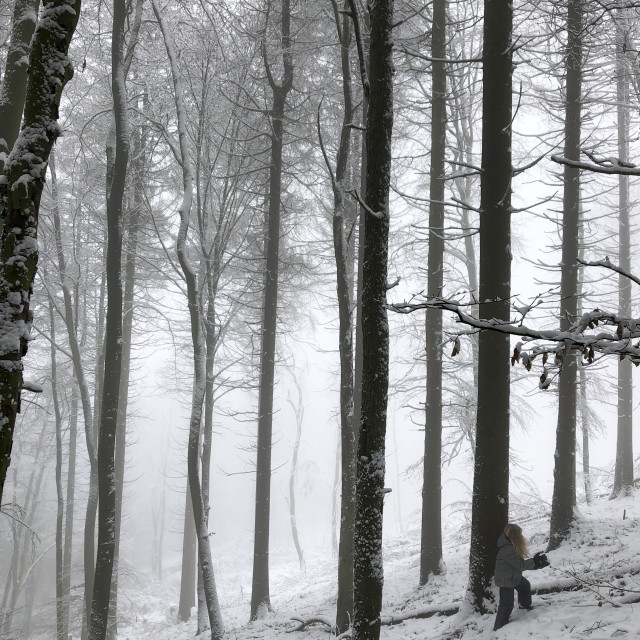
(113, 341)
(260, 598)
(13, 88)
(370, 491)
(132, 226)
(431, 537)
(564, 477)
(490, 501)
(21, 184)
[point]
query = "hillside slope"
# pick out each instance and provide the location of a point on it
(601, 562)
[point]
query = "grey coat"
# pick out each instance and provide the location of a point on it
(509, 565)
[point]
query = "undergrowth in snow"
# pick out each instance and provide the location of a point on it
(601, 562)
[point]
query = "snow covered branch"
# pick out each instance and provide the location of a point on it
(607, 264)
(608, 165)
(581, 336)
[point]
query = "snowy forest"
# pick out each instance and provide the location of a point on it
(302, 303)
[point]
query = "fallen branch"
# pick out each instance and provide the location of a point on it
(423, 612)
(305, 622)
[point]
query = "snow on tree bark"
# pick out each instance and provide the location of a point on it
(14, 84)
(490, 501)
(21, 184)
(370, 491)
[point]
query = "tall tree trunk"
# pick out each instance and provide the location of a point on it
(83, 387)
(70, 504)
(431, 538)
(133, 222)
(199, 348)
(343, 258)
(61, 605)
(113, 341)
(623, 476)
(299, 412)
(368, 568)
(490, 501)
(260, 598)
(564, 480)
(20, 191)
(189, 552)
(13, 88)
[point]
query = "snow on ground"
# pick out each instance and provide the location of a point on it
(602, 556)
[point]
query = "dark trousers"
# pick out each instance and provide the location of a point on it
(506, 601)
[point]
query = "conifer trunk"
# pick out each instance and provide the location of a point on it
(564, 474)
(490, 500)
(368, 568)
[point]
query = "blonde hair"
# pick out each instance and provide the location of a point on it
(514, 534)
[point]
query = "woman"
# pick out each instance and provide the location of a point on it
(513, 559)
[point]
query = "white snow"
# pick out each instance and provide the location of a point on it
(602, 557)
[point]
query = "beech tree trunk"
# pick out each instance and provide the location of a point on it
(490, 500)
(189, 554)
(299, 413)
(13, 89)
(21, 183)
(70, 504)
(199, 346)
(61, 608)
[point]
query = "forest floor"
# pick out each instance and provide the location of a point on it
(602, 558)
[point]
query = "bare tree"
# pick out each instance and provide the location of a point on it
(106, 549)
(260, 597)
(198, 341)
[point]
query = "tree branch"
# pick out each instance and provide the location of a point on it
(607, 264)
